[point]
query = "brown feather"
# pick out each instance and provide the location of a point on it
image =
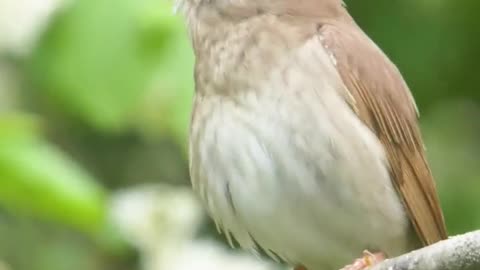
(384, 103)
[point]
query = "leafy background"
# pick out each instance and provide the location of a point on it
(95, 98)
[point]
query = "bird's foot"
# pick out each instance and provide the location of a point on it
(300, 267)
(368, 260)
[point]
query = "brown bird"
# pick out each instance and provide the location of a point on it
(304, 137)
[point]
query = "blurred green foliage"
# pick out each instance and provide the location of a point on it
(37, 177)
(98, 59)
(103, 101)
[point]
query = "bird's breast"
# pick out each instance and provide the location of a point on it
(286, 165)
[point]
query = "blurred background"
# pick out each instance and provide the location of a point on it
(94, 106)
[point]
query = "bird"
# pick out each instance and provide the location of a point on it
(304, 139)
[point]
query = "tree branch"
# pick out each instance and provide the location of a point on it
(460, 252)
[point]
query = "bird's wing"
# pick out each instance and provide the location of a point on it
(384, 103)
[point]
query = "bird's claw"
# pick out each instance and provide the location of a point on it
(368, 260)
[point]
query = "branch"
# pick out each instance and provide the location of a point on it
(460, 252)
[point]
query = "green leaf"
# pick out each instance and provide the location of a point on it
(37, 178)
(97, 59)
